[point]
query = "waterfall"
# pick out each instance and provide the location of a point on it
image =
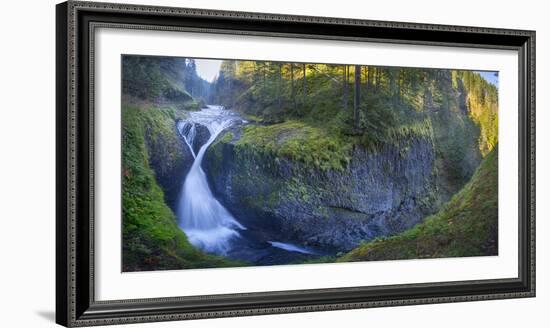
(188, 132)
(207, 224)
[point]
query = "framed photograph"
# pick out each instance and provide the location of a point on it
(214, 163)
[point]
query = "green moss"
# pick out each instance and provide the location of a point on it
(215, 151)
(253, 118)
(152, 239)
(299, 141)
(192, 105)
(466, 226)
(324, 146)
(227, 137)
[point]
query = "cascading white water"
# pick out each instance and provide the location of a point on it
(289, 247)
(188, 131)
(207, 224)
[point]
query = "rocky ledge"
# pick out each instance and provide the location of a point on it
(380, 193)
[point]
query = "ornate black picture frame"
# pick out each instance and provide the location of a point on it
(75, 301)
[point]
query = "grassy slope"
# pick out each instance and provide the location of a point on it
(151, 236)
(466, 226)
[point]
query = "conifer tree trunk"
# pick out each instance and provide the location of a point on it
(400, 83)
(427, 99)
(304, 81)
(357, 96)
(369, 76)
(230, 85)
(393, 86)
(345, 86)
(264, 72)
(280, 86)
(293, 91)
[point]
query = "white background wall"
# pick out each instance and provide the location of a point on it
(27, 181)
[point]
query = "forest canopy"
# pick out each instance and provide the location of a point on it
(372, 102)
